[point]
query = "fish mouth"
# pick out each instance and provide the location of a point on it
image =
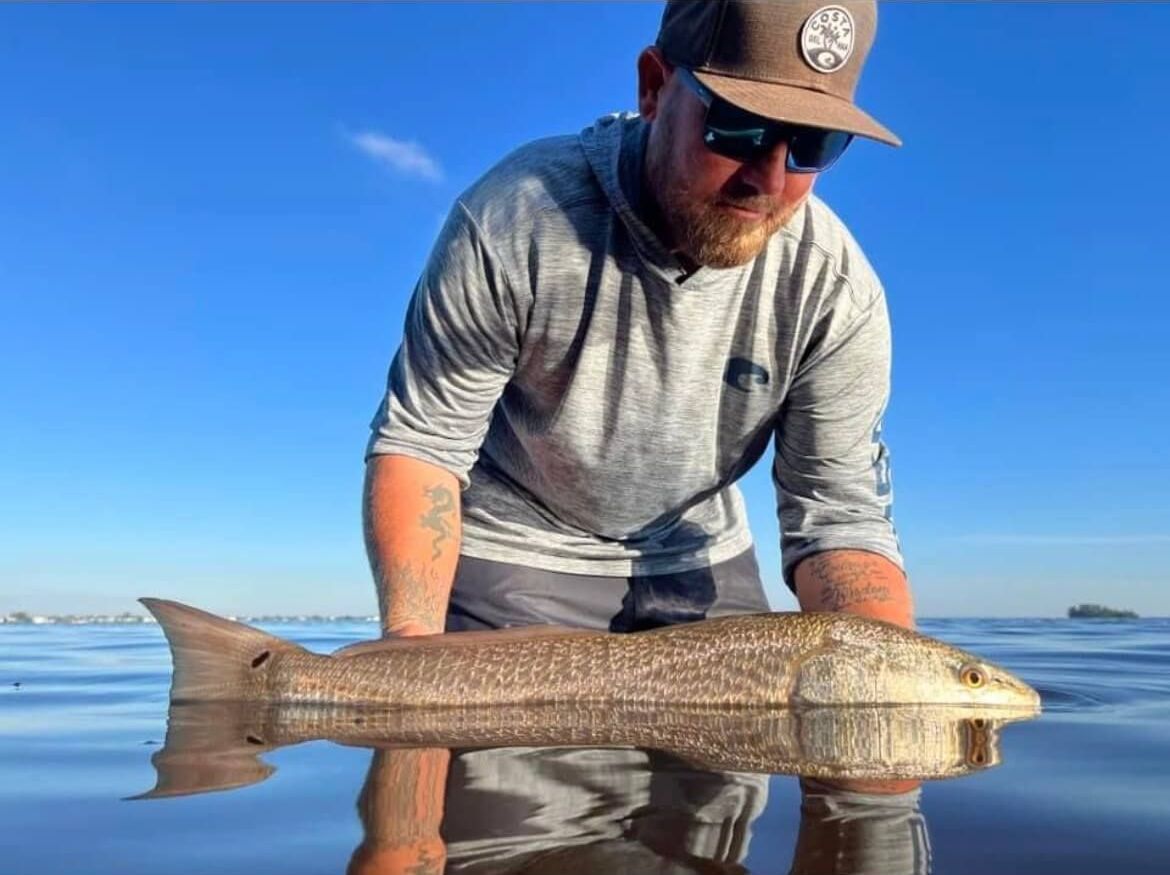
(1012, 711)
(1010, 701)
(1014, 693)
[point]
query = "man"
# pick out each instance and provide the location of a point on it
(610, 329)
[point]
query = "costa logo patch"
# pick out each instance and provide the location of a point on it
(827, 39)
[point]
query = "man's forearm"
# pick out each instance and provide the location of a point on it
(410, 514)
(856, 582)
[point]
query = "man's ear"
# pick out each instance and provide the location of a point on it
(652, 70)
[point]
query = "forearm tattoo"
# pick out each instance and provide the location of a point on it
(845, 580)
(438, 518)
(410, 589)
(408, 594)
(426, 865)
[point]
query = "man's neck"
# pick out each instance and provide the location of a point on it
(652, 216)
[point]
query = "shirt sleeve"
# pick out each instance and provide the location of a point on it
(459, 348)
(831, 468)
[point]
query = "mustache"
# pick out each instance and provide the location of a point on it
(760, 204)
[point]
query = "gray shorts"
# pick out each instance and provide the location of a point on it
(493, 595)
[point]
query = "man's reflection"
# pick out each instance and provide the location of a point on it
(508, 804)
(569, 811)
(861, 826)
(401, 809)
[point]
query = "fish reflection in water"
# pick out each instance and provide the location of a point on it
(620, 789)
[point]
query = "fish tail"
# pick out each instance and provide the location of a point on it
(210, 746)
(214, 658)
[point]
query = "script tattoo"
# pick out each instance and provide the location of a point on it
(442, 502)
(845, 581)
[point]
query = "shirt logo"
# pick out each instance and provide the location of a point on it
(745, 375)
(826, 40)
(883, 485)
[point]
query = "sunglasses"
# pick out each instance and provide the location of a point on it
(744, 136)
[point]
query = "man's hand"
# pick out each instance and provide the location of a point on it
(412, 525)
(855, 582)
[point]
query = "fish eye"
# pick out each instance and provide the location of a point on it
(972, 677)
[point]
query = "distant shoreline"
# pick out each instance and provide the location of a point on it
(20, 618)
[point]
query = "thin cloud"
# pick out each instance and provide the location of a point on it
(1065, 539)
(406, 157)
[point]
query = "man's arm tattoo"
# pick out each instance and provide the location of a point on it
(426, 865)
(845, 581)
(438, 518)
(408, 594)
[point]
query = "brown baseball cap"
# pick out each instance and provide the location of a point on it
(790, 60)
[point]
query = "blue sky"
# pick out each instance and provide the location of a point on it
(213, 217)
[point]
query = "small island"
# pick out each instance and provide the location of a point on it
(1099, 612)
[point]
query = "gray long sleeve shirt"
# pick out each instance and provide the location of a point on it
(597, 401)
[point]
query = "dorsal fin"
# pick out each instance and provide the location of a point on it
(463, 639)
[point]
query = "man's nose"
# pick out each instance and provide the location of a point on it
(767, 174)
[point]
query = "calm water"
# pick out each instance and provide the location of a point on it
(1084, 789)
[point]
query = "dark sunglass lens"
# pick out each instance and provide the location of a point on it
(813, 149)
(742, 145)
(734, 133)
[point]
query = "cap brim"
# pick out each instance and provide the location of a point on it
(791, 103)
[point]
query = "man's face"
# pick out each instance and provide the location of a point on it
(719, 211)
